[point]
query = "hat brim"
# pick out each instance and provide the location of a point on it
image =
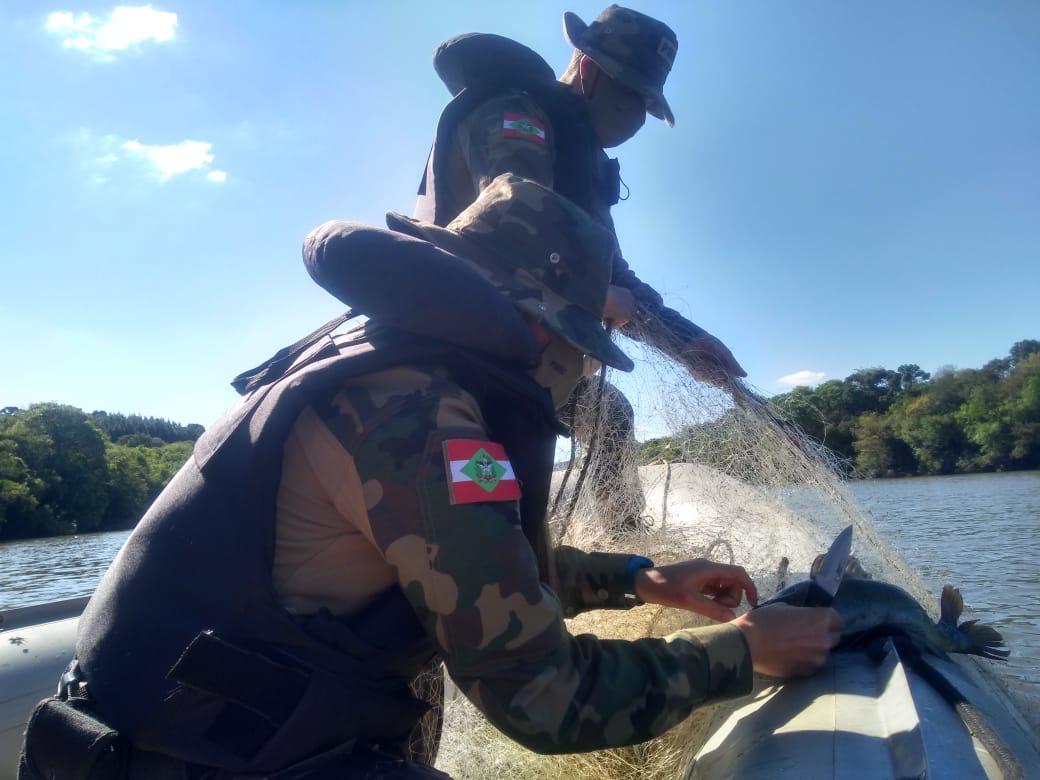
(574, 30)
(586, 331)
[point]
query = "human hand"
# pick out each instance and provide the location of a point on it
(709, 360)
(788, 641)
(702, 586)
(619, 307)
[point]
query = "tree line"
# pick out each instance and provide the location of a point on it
(881, 422)
(63, 471)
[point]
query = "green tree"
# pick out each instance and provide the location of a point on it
(934, 435)
(117, 426)
(870, 390)
(139, 440)
(129, 485)
(666, 448)
(911, 376)
(66, 452)
(169, 460)
(984, 419)
(136, 475)
(21, 510)
(879, 451)
(800, 407)
(1021, 350)
(1023, 412)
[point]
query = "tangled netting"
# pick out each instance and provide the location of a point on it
(731, 479)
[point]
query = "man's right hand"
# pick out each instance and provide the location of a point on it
(620, 306)
(788, 641)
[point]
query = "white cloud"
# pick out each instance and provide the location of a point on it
(126, 26)
(802, 377)
(173, 159)
(111, 158)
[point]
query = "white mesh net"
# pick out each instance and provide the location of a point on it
(734, 483)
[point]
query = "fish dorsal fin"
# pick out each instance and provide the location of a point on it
(950, 605)
(781, 574)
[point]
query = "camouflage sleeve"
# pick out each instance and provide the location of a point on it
(472, 579)
(508, 134)
(595, 580)
(622, 275)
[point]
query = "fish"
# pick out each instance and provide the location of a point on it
(872, 609)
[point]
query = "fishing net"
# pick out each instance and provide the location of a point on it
(735, 482)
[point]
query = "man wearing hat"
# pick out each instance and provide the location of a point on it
(510, 114)
(378, 499)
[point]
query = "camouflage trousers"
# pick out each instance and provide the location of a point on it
(604, 425)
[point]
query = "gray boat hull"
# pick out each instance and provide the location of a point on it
(861, 717)
(36, 644)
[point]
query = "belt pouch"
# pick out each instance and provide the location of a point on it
(63, 740)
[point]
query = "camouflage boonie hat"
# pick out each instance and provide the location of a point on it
(631, 47)
(541, 251)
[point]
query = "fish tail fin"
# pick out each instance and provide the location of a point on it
(951, 605)
(978, 638)
(984, 640)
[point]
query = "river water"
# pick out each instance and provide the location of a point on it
(980, 533)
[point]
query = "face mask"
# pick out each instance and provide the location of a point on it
(560, 370)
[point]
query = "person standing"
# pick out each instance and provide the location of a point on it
(509, 114)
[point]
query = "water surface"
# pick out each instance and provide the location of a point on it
(981, 533)
(36, 571)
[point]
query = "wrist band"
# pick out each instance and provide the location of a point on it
(635, 563)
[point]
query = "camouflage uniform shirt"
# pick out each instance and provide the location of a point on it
(364, 499)
(483, 149)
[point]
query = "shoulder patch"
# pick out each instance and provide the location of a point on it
(523, 126)
(478, 472)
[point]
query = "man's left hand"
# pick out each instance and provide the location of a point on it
(709, 360)
(702, 586)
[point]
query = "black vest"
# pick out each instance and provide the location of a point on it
(184, 645)
(479, 67)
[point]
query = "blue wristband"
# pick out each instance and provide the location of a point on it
(635, 563)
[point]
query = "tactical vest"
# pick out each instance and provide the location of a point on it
(478, 67)
(184, 645)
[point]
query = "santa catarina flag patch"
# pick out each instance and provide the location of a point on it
(523, 126)
(479, 471)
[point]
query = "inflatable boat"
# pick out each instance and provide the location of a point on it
(862, 716)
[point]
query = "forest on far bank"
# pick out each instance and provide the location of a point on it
(906, 422)
(65, 471)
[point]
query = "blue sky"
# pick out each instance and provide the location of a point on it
(847, 185)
